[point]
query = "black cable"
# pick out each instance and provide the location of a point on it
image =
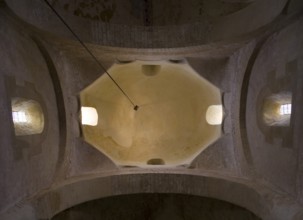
(91, 54)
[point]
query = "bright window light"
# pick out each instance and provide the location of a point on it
(19, 117)
(89, 116)
(214, 115)
(285, 109)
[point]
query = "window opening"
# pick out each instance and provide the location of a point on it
(214, 115)
(285, 109)
(27, 116)
(277, 109)
(89, 116)
(19, 117)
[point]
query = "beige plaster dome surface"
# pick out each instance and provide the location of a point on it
(170, 126)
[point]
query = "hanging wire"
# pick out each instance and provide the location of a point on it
(136, 107)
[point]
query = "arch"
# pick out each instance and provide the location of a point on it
(156, 206)
(256, 198)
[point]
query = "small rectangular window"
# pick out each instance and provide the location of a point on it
(89, 116)
(19, 117)
(285, 109)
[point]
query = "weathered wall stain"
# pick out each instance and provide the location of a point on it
(102, 10)
(150, 12)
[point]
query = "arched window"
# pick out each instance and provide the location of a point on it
(277, 109)
(27, 116)
(89, 116)
(214, 114)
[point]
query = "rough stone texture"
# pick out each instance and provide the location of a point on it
(128, 33)
(251, 165)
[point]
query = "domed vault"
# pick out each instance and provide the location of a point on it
(179, 113)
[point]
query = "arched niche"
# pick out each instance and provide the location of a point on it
(277, 109)
(27, 115)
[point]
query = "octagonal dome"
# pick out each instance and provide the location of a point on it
(174, 121)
